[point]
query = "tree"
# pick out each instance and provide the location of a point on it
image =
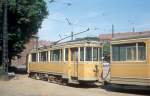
(106, 51)
(24, 19)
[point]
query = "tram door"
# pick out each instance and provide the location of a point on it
(74, 59)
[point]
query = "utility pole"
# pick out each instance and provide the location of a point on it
(112, 30)
(133, 29)
(5, 38)
(132, 25)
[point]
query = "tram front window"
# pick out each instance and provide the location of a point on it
(82, 54)
(95, 54)
(34, 57)
(88, 54)
(74, 54)
(66, 54)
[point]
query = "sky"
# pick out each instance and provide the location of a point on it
(97, 15)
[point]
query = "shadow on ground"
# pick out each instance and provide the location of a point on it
(18, 70)
(126, 90)
(83, 85)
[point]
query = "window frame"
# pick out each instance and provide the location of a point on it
(127, 46)
(36, 54)
(60, 57)
(41, 58)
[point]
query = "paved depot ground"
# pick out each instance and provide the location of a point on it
(24, 86)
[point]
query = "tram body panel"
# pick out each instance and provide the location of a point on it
(84, 71)
(135, 74)
(43, 67)
(65, 70)
(91, 71)
(129, 70)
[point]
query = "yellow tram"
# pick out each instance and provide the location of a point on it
(74, 61)
(130, 60)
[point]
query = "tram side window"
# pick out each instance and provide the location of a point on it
(131, 53)
(100, 53)
(82, 54)
(34, 57)
(95, 54)
(55, 55)
(43, 56)
(127, 52)
(141, 51)
(115, 53)
(122, 53)
(66, 54)
(74, 54)
(61, 55)
(88, 54)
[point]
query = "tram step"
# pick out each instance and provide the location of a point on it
(75, 81)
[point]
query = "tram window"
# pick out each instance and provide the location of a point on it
(82, 54)
(119, 52)
(88, 54)
(131, 53)
(100, 53)
(95, 54)
(55, 55)
(141, 51)
(43, 56)
(126, 52)
(61, 55)
(115, 53)
(66, 54)
(74, 54)
(34, 57)
(122, 54)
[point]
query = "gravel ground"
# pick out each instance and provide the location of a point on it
(21, 85)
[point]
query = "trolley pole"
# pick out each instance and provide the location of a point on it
(5, 38)
(112, 31)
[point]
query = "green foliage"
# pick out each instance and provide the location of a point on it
(24, 19)
(106, 48)
(106, 51)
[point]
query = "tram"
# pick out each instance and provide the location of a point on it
(130, 60)
(73, 61)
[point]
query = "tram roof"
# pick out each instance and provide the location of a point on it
(77, 43)
(146, 35)
(131, 38)
(73, 43)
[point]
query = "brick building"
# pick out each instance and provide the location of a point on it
(30, 45)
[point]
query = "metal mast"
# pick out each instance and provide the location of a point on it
(5, 38)
(70, 24)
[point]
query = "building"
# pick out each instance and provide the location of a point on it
(29, 46)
